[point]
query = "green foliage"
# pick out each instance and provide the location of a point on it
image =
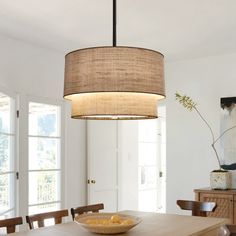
(186, 101)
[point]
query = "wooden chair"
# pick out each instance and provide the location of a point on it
(197, 208)
(39, 218)
(11, 223)
(85, 209)
(231, 229)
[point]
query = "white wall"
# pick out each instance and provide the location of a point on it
(30, 70)
(189, 155)
(75, 159)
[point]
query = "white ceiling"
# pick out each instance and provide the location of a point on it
(180, 29)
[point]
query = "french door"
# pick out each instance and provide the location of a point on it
(33, 182)
(44, 157)
(8, 172)
(151, 163)
(126, 164)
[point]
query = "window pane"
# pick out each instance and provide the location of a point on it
(147, 154)
(5, 103)
(44, 208)
(6, 215)
(43, 119)
(43, 153)
(148, 130)
(6, 157)
(6, 192)
(148, 200)
(147, 177)
(43, 187)
(152, 160)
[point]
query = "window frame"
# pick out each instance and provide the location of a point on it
(160, 165)
(13, 133)
(24, 102)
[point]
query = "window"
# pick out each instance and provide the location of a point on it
(44, 157)
(40, 123)
(7, 157)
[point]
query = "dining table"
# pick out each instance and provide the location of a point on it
(152, 224)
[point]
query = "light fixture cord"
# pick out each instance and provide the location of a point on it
(114, 23)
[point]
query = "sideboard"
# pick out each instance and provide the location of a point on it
(225, 200)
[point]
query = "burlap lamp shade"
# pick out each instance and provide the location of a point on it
(114, 82)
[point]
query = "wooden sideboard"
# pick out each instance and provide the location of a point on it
(225, 200)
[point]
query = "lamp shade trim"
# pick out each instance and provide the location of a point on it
(70, 97)
(114, 117)
(147, 49)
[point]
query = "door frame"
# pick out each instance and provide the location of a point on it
(15, 123)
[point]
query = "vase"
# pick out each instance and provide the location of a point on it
(220, 179)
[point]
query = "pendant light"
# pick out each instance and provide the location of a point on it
(114, 82)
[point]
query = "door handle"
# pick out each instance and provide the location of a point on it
(93, 181)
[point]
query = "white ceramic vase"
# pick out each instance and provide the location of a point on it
(220, 179)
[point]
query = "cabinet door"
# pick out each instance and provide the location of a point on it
(224, 208)
(234, 209)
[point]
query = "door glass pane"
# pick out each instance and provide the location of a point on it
(44, 208)
(5, 113)
(44, 187)
(147, 130)
(44, 157)
(43, 153)
(147, 154)
(147, 177)
(7, 156)
(6, 192)
(151, 182)
(43, 119)
(147, 200)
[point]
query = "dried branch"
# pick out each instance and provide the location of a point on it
(190, 105)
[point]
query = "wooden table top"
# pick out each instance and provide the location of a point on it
(153, 224)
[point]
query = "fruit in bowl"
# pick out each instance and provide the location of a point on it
(113, 220)
(107, 223)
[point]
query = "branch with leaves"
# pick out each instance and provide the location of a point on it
(190, 105)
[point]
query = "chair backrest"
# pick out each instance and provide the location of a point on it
(11, 223)
(231, 229)
(85, 209)
(197, 208)
(39, 218)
